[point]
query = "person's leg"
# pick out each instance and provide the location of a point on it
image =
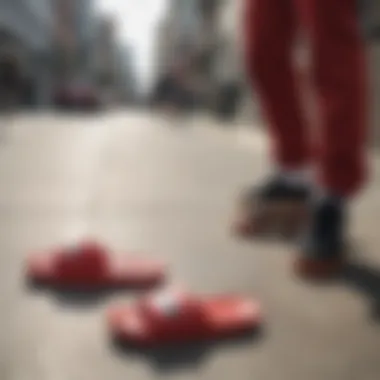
(270, 36)
(339, 74)
(339, 78)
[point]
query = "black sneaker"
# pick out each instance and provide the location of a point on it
(322, 253)
(277, 189)
(276, 206)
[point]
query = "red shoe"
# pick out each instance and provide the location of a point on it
(90, 266)
(178, 317)
(318, 269)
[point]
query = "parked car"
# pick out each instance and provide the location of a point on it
(78, 97)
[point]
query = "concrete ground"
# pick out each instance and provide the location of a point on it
(140, 183)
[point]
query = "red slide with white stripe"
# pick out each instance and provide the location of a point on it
(180, 317)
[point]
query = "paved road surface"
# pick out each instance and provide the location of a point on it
(139, 184)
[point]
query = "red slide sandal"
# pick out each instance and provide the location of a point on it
(178, 317)
(89, 266)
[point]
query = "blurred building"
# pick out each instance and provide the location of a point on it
(228, 65)
(179, 33)
(188, 37)
(126, 81)
(206, 57)
(230, 69)
(105, 55)
(371, 21)
(370, 17)
(74, 30)
(26, 28)
(164, 45)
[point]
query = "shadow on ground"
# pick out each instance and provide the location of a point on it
(365, 280)
(80, 298)
(181, 356)
(360, 277)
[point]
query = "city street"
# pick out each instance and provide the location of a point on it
(139, 183)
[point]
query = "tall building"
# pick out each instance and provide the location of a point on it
(26, 28)
(188, 35)
(179, 33)
(126, 83)
(74, 27)
(85, 28)
(114, 66)
(105, 50)
(229, 65)
(163, 45)
(372, 27)
(370, 17)
(29, 22)
(208, 48)
(64, 38)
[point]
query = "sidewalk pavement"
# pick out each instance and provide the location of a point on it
(139, 183)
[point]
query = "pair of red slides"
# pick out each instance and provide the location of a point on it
(162, 317)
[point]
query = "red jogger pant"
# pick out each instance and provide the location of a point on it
(338, 72)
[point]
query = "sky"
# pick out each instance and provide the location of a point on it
(136, 22)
